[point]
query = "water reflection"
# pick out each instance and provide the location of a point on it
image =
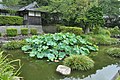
(107, 73)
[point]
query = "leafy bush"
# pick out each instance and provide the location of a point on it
(33, 31)
(75, 30)
(59, 45)
(115, 52)
(14, 45)
(114, 31)
(101, 31)
(24, 31)
(118, 78)
(11, 32)
(79, 62)
(100, 39)
(11, 20)
(7, 70)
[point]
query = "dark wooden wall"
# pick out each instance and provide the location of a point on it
(34, 20)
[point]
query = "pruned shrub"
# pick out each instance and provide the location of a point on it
(79, 62)
(24, 31)
(14, 45)
(33, 31)
(75, 30)
(11, 20)
(11, 32)
(115, 52)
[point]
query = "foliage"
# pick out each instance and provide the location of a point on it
(33, 31)
(95, 17)
(11, 20)
(109, 7)
(11, 2)
(14, 45)
(100, 39)
(79, 62)
(24, 31)
(114, 31)
(115, 52)
(75, 30)
(101, 31)
(11, 32)
(58, 45)
(40, 2)
(118, 78)
(7, 70)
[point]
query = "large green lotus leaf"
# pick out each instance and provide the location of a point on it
(29, 40)
(45, 47)
(40, 55)
(82, 41)
(51, 56)
(91, 48)
(33, 53)
(26, 48)
(62, 54)
(86, 51)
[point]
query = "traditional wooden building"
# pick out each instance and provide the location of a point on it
(30, 13)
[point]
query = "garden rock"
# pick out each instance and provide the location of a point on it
(64, 70)
(17, 78)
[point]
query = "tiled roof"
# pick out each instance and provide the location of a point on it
(32, 6)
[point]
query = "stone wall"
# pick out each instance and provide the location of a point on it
(38, 27)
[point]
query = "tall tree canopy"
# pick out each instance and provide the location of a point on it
(110, 7)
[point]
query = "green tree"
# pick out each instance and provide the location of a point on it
(110, 7)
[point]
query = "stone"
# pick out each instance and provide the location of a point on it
(17, 78)
(64, 70)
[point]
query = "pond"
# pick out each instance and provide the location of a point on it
(34, 69)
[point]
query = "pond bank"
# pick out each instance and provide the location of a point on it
(43, 70)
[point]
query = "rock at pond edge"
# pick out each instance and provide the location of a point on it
(64, 70)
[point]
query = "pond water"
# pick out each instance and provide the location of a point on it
(34, 69)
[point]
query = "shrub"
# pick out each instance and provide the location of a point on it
(114, 31)
(24, 31)
(11, 20)
(115, 52)
(11, 32)
(59, 45)
(14, 45)
(75, 30)
(33, 31)
(100, 39)
(101, 31)
(79, 62)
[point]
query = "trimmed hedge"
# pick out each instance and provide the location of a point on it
(11, 32)
(33, 31)
(11, 20)
(24, 31)
(75, 30)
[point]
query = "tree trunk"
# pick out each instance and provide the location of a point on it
(87, 30)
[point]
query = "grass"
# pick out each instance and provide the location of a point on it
(118, 78)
